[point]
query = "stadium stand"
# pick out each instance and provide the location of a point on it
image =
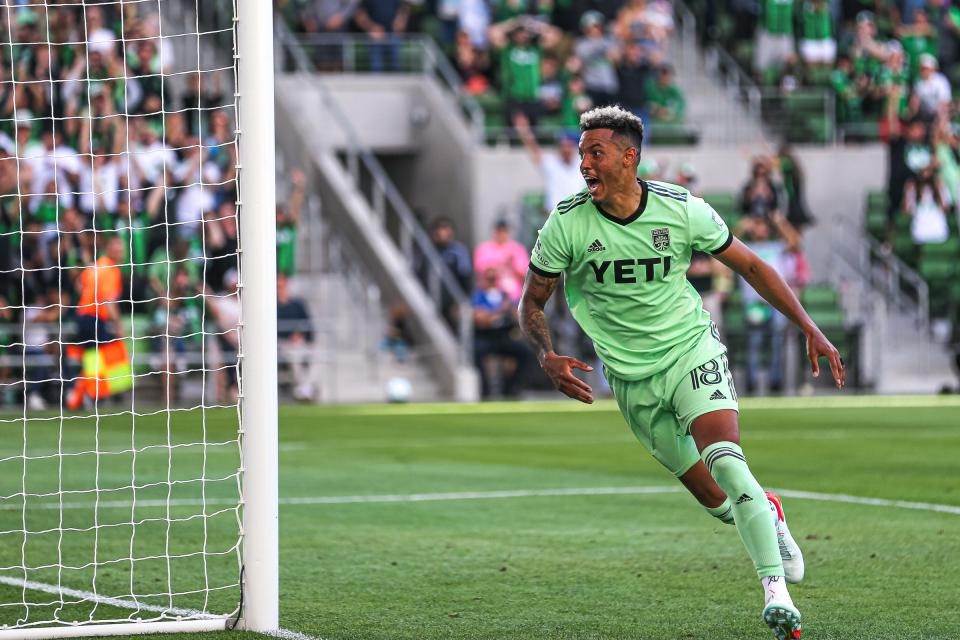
(548, 61)
(863, 59)
(61, 206)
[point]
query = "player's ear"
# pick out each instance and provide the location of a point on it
(630, 157)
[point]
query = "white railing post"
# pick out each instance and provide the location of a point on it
(258, 377)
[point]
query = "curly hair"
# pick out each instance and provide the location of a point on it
(619, 120)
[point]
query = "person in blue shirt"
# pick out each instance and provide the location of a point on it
(496, 333)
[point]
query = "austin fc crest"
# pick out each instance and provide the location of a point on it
(661, 239)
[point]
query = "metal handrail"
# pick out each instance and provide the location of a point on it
(434, 62)
(866, 251)
(385, 192)
(779, 126)
(737, 80)
(452, 81)
(740, 82)
(721, 65)
(688, 36)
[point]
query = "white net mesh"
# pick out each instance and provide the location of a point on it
(119, 311)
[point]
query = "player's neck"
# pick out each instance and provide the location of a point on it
(624, 202)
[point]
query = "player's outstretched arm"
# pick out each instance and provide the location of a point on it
(774, 290)
(537, 290)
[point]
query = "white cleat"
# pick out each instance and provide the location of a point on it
(789, 549)
(783, 619)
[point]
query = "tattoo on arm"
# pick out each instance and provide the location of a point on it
(536, 291)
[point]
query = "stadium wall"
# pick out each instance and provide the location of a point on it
(417, 132)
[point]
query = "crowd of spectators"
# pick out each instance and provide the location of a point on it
(923, 183)
(879, 57)
(546, 61)
(117, 196)
(492, 278)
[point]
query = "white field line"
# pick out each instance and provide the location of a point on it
(624, 438)
(484, 495)
(507, 441)
(873, 502)
(287, 634)
(123, 603)
(561, 405)
(494, 495)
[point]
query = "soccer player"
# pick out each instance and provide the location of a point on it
(624, 246)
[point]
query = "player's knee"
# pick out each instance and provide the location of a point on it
(728, 466)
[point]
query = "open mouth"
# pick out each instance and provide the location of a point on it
(592, 184)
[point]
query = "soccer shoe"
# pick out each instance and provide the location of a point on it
(789, 549)
(783, 619)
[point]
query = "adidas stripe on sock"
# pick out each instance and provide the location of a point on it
(723, 513)
(728, 466)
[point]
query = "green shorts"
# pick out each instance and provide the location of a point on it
(661, 408)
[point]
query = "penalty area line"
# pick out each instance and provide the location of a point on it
(287, 634)
(126, 603)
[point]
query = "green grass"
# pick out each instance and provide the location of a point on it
(594, 566)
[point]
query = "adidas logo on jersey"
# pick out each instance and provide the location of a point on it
(596, 245)
(744, 498)
(718, 396)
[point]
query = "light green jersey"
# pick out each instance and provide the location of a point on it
(625, 280)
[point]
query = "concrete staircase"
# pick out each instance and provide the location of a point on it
(911, 361)
(712, 101)
(349, 366)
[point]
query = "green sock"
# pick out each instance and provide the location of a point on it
(723, 513)
(728, 467)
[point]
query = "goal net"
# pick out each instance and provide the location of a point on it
(122, 460)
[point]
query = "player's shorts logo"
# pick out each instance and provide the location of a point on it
(661, 239)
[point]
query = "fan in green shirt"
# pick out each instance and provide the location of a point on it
(818, 48)
(622, 246)
(165, 264)
(778, 16)
(774, 47)
(288, 221)
(816, 21)
(894, 83)
(918, 39)
(665, 100)
(520, 71)
(849, 104)
(506, 9)
(47, 209)
(575, 102)
(519, 42)
(286, 246)
(133, 227)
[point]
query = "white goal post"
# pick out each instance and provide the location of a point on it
(259, 325)
(165, 508)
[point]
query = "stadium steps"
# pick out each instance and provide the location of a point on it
(712, 107)
(915, 365)
(918, 361)
(349, 365)
(351, 207)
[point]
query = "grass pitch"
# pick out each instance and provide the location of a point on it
(487, 560)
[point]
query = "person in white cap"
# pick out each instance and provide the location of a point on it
(931, 91)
